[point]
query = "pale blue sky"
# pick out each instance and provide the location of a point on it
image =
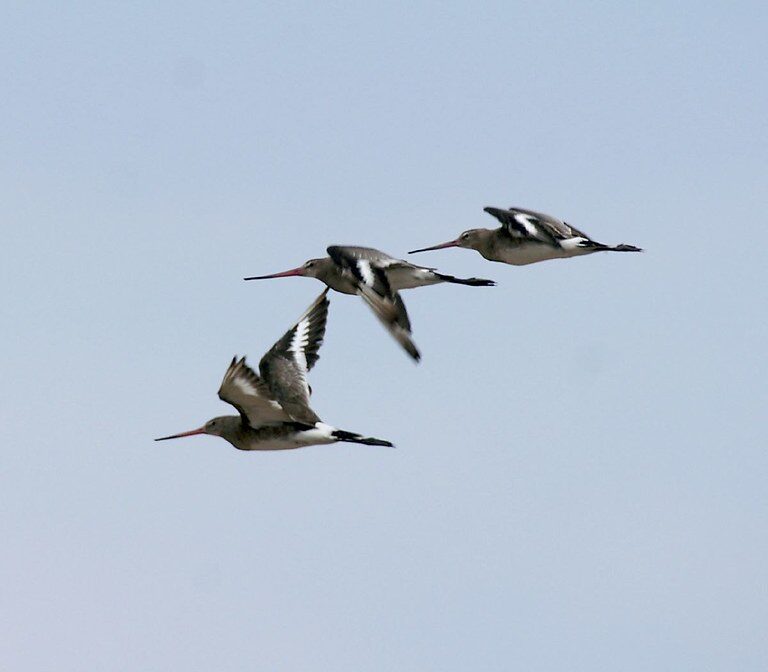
(580, 478)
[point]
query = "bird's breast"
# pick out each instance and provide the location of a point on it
(342, 284)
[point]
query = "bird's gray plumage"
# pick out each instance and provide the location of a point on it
(274, 406)
(377, 278)
(526, 237)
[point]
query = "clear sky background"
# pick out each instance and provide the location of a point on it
(580, 474)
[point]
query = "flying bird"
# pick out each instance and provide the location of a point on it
(273, 406)
(377, 278)
(526, 236)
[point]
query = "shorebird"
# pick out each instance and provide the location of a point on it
(526, 236)
(377, 278)
(274, 406)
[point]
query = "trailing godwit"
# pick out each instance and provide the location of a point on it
(273, 407)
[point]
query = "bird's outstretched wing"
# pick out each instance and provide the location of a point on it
(372, 285)
(249, 394)
(369, 253)
(530, 225)
(284, 368)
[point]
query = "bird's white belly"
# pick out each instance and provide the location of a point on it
(530, 253)
(410, 277)
(276, 444)
(319, 434)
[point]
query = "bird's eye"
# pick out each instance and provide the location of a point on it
(464, 236)
(310, 264)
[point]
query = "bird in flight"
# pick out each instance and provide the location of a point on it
(377, 278)
(273, 405)
(526, 236)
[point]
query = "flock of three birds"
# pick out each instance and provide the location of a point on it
(273, 406)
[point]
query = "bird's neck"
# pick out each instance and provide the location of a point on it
(490, 242)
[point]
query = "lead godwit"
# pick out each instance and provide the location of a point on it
(526, 236)
(377, 278)
(274, 406)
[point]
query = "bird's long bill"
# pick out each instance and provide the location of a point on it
(192, 432)
(450, 243)
(284, 274)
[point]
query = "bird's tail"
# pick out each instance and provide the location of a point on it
(351, 437)
(625, 248)
(598, 247)
(473, 282)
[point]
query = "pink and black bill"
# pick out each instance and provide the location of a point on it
(199, 430)
(284, 274)
(450, 243)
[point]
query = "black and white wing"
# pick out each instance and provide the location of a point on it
(249, 394)
(372, 285)
(530, 225)
(358, 253)
(284, 368)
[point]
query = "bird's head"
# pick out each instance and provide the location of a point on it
(315, 268)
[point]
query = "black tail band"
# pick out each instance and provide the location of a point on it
(351, 437)
(472, 282)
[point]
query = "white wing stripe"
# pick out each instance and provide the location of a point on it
(528, 225)
(244, 386)
(365, 270)
(299, 343)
